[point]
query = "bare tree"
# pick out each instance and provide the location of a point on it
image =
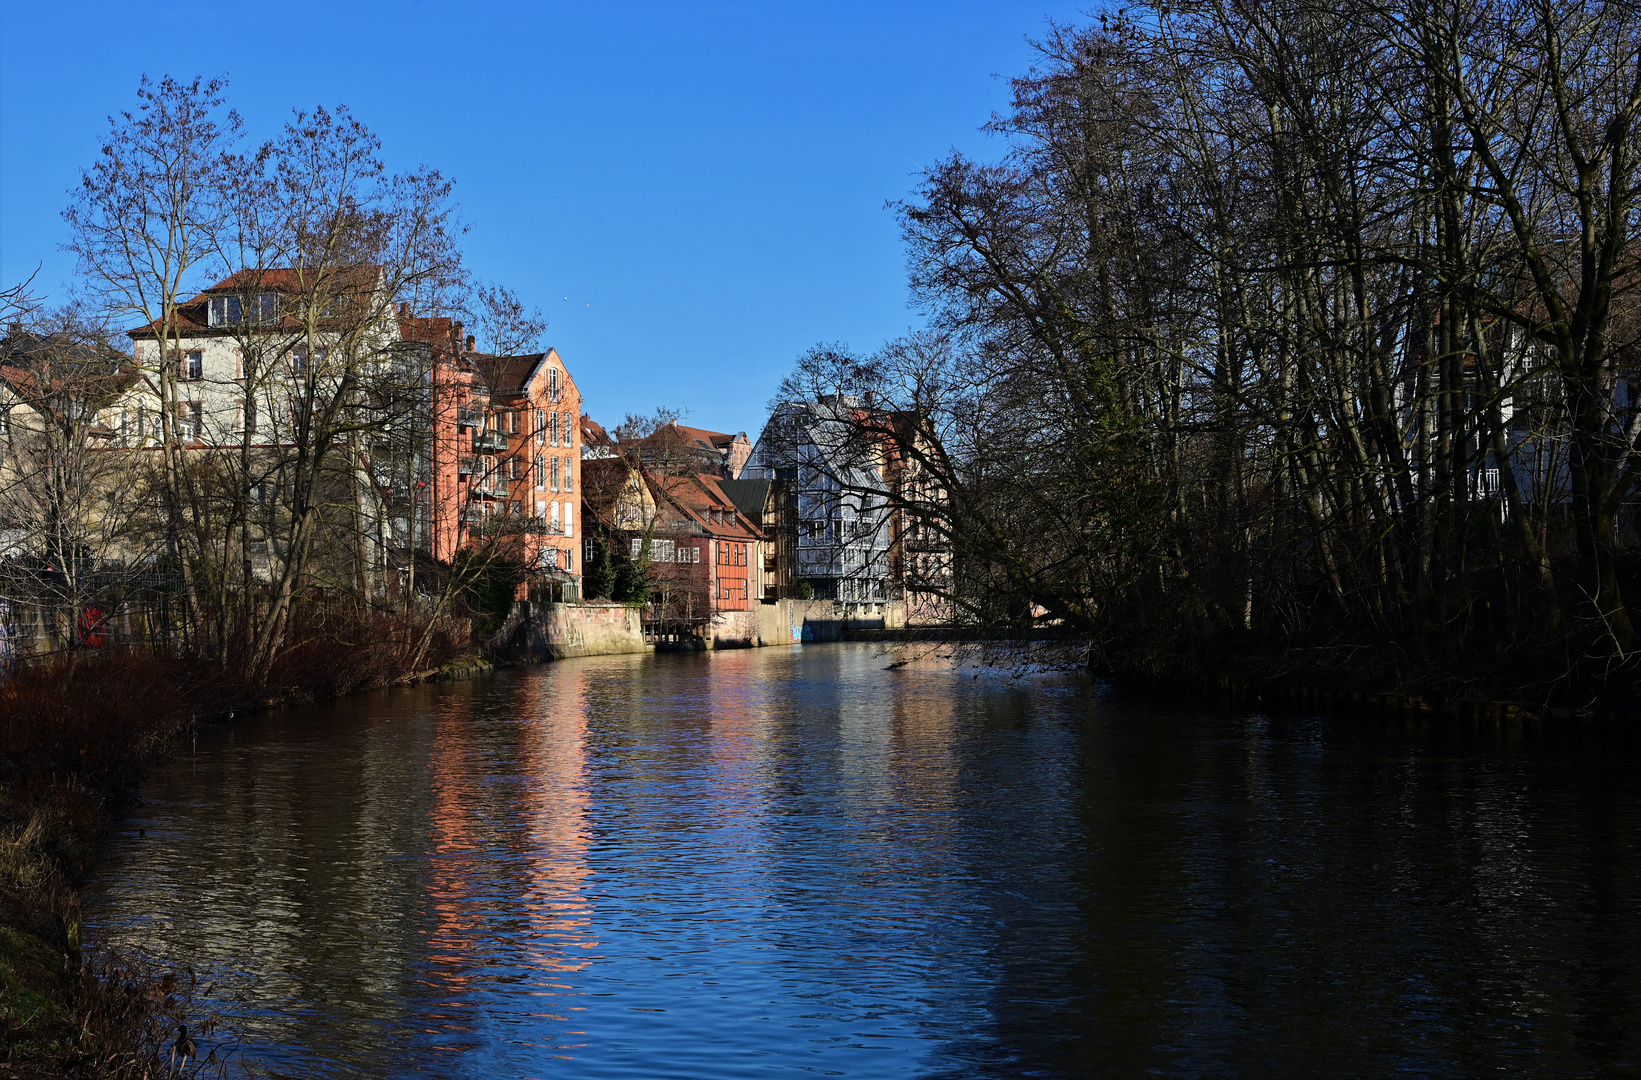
(143, 219)
(1296, 333)
(73, 538)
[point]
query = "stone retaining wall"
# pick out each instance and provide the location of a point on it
(558, 631)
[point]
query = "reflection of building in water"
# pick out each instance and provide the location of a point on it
(736, 707)
(502, 854)
(554, 761)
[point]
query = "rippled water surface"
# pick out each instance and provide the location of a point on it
(794, 861)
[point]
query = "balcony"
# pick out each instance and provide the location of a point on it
(492, 486)
(489, 440)
(508, 525)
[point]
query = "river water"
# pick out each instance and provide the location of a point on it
(801, 862)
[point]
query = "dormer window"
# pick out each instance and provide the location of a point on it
(554, 393)
(225, 310)
(231, 310)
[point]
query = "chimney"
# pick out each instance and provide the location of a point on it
(470, 342)
(404, 309)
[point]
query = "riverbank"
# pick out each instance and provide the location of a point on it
(76, 731)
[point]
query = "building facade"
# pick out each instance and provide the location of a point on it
(840, 528)
(506, 460)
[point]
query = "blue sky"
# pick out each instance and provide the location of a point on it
(705, 182)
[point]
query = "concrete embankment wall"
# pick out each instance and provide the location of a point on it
(792, 622)
(558, 631)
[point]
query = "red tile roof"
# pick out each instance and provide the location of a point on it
(593, 433)
(194, 320)
(698, 497)
(717, 440)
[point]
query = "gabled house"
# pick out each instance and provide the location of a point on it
(677, 448)
(242, 352)
(850, 512)
(506, 460)
(837, 547)
(700, 554)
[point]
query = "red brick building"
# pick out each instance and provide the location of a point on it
(506, 459)
(701, 552)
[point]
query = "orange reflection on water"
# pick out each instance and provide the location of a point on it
(555, 810)
(507, 860)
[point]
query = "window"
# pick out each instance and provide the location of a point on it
(541, 427)
(637, 549)
(569, 560)
(516, 508)
(230, 310)
(554, 474)
(549, 558)
(225, 310)
(299, 362)
(569, 467)
(512, 468)
(555, 517)
(569, 527)
(568, 441)
(196, 419)
(554, 437)
(554, 393)
(541, 473)
(193, 365)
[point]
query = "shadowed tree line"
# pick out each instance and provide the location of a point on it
(1295, 339)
